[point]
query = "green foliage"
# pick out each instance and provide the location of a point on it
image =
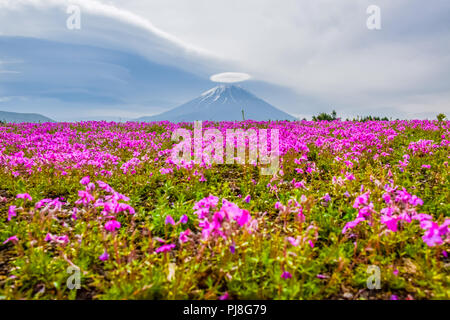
(325, 116)
(440, 117)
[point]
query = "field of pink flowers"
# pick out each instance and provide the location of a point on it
(106, 200)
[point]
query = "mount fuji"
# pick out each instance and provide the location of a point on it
(223, 103)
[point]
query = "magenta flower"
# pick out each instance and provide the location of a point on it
(169, 220)
(352, 224)
(12, 239)
(121, 207)
(112, 225)
(48, 237)
(386, 197)
(416, 201)
(165, 248)
(106, 187)
(432, 237)
(301, 217)
(225, 296)
(62, 240)
(85, 197)
(294, 241)
(184, 236)
(286, 275)
(24, 196)
(244, 218)
(390, 222)
(247, 199)
(104, 256)
(85, 180)
(74, 213)
(42, 203)
(11, 212)
(394, 297)
(422, 217)
(184, 219)
(361, 200)
(278, 205)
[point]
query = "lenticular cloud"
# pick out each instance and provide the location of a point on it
(230, 77)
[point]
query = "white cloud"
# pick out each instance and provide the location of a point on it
(321, 48)
(102, 24)
(230, 77)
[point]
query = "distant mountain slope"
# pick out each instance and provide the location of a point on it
(15, 117)
(223, 103)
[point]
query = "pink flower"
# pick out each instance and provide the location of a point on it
(387, 211)
(11, 212)
(184, 219)
(390, 222)
(366, 211)
(422, 217)
(278, 205)
(350, 176)
(361, 200)
(12, 239)
(62, 240)
(301, 217)
(165, 248)
(247, 199)
(184, 236)
(416, 201)
(294, 241)
(106, 187)
(432, 237)
(169, 220)
(286, 275)
(85, 197)
(104, 256)
(48, 237)
(225, 296)
(394, 297)
(24, 196)
(85, 180)
(244, 218)
(42, 203)
(202, 207)
(124, 207)
(112, 225)
(352, 224)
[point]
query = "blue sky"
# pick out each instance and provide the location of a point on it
(134, 58)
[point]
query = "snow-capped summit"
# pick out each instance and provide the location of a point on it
(224, 102)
